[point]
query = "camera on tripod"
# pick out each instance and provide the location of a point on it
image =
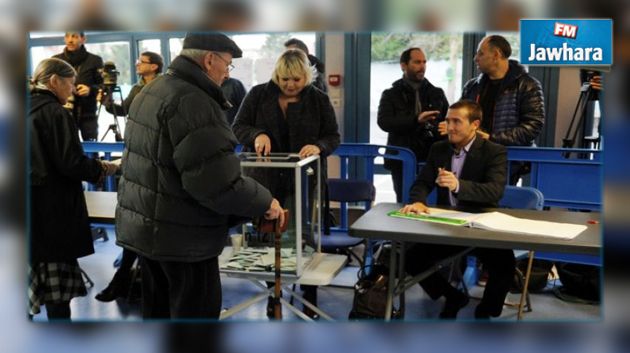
(109, 73)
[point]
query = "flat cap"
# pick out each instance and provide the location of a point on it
(212, 42)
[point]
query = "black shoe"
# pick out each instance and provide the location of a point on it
(112, 292)
(481, 313)
(452, 306)
(310, 313)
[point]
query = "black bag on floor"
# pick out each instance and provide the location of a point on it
(370, 295)
(537, 279)
(581, 282)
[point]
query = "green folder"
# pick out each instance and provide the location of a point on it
(429, 218)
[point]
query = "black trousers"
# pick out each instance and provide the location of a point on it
(88, 125)
(396, 170)
(180, 290)
(500, 264)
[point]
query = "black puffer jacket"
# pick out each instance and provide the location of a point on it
(519, 112)
(60, 230)
(397, 116)
(181, 180)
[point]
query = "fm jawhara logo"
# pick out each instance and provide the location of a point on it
(567, 42)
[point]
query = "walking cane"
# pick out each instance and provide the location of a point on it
(277, 310)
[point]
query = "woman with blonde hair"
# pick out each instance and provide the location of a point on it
(59, 227)
(287, 114)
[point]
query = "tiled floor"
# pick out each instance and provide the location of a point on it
(335, 300)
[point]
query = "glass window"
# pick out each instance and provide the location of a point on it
(118, 53)
(40, 53)
(153, 45)
(444, 67)
(46, 34)
(175, 45)
(260, 52)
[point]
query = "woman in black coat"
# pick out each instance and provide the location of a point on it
(287, 114)
(59, 227)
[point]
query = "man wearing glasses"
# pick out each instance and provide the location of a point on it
(148, 66)
(181, 187)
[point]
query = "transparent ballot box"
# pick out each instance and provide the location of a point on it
(296, 183)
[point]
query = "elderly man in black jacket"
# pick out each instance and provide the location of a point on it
(182, 182)
(469, 171)
(410, 112)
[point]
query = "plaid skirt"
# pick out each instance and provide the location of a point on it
(54, 282)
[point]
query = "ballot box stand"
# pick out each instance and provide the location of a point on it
(255, 258)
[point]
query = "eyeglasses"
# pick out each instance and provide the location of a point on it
(142, 62)
(230, 66)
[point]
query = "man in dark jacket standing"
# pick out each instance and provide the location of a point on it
(88, 82)
(410, 112)
(182, 182)
(512, 100)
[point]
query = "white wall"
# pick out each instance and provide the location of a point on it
(334, 65)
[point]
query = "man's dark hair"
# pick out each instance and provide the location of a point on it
(473, 108)
(297, 43)
(81, 33)
(499, 42)
(154, 58)
(406, 55)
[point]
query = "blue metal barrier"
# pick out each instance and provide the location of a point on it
(573, 182)
(368, 152)
(107, 148)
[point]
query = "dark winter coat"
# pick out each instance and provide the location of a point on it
(60, 230)
(181, 181)
(88, 68)
(311, 121)
(519, 111)
(397, 116)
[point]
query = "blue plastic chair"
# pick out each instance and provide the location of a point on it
(361, 157)
(522, 197)
(528, 198)
(346, 191)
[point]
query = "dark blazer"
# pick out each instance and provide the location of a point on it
(60, 229)
(482, 179)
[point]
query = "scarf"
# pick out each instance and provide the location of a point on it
(417, 87)
(77, 57)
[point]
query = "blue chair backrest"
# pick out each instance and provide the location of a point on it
(364, 155)
(350, 190)
(522, 197)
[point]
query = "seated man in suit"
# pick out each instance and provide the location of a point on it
(469, 171)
